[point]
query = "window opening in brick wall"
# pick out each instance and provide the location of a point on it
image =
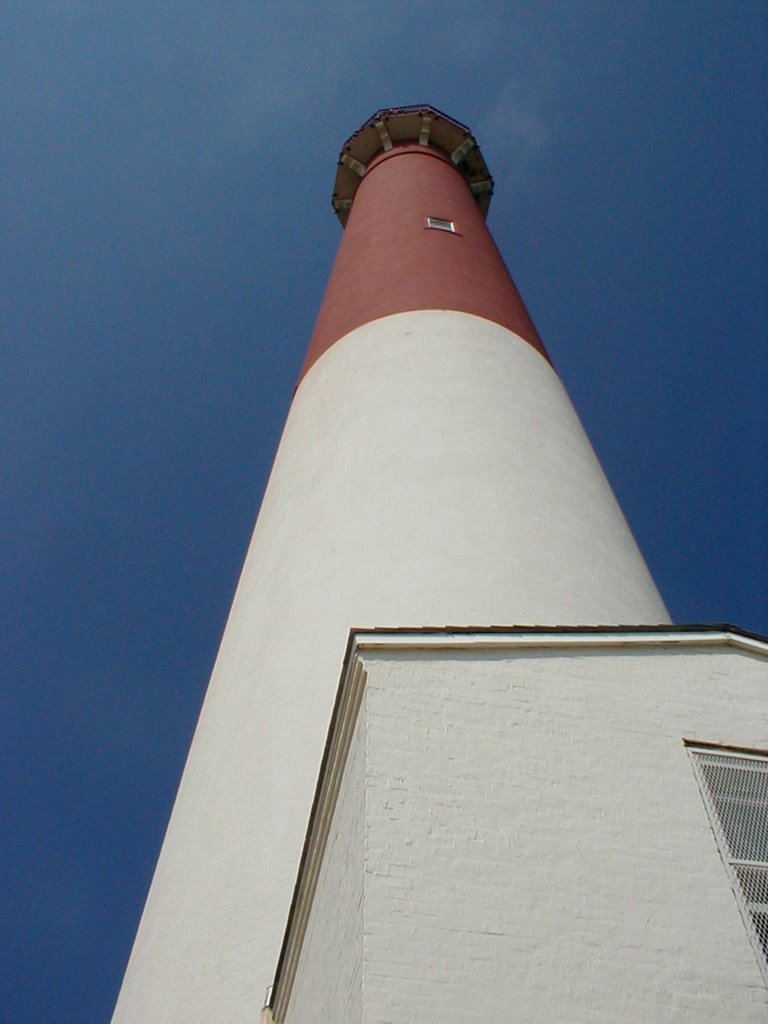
(441, 225)
(735, 791)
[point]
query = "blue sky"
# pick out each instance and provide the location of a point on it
(167, 235)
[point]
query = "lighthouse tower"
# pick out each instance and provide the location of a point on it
(433, 483)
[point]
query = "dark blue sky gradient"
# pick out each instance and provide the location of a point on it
(167, 235)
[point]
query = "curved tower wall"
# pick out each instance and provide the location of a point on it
(432, 471)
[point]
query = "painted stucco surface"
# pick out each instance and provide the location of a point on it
(536, 847)
(432, 471)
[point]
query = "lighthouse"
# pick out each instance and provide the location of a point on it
(442, 612)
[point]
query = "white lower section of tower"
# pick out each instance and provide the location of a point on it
(432, 472)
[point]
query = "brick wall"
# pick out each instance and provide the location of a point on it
(328, 985)
(536, 847)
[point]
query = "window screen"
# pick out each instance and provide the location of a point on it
(735, 791)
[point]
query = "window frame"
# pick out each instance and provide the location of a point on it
(441, 224)
(748, 908)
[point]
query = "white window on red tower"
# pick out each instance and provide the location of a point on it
(441, 225)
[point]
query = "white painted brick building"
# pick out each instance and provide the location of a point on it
(519, 834)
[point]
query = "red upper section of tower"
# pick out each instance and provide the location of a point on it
(390, 259)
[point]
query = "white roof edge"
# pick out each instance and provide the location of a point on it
(447, 639)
